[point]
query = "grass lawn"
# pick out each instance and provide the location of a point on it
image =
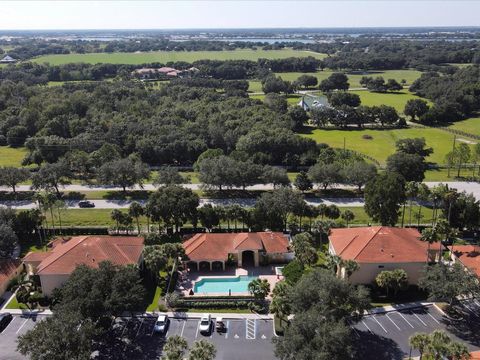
(383, 143)
(14, 304)
(101, 217)
(153, 306)
(12, 156)
(361, 217)
(354, 79)
(396, 99)
(166, 56)
(471, 126)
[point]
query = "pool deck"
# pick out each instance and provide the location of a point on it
(188, 279)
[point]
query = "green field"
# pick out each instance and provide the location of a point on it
(354, 79)
(101, 217)
(396, 99)
(11, 156)
(166, 56)
(471, 126)
(383, 143)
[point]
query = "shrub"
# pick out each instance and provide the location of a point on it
(195, 304)
(3, 140)
(293, 272)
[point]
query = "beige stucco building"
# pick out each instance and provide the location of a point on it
(212, 251)
(379, 248)
(55, 266)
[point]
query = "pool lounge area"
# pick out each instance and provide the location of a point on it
(223, 285)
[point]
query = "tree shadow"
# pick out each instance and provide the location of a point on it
(372, 346)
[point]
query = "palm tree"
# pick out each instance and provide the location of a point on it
(430, 236)
(459, 351)
(348, 216)
(259, 288)
(136, 210)
(411, 191)
(422, 195)
(439, 345)
(333, 262)
(419, 341)
(60, 206)
(174, 348)
(202, 350)
(350, 267)
(116, 215)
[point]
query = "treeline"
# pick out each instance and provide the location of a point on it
(171, 125)
(455, 96)
(380, 54)
(344, 53)
(32, 73)
(26, 48)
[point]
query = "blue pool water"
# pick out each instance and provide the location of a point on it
(238, 284)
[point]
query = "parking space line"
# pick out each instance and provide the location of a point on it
(141, 323)
(404, 318)
(393, 322)
(198, 327)
(367, 327)
(125, 327)
(183, 327)
(476, 302)
(9, 324)
(438, 322)
(378, 322)
(419, 319)
(227, 329)
(21, 326)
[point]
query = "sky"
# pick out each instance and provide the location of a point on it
(114, 14)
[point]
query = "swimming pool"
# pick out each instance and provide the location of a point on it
(223, 285)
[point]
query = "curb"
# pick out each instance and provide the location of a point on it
(391, 308)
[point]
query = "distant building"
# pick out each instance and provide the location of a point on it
(8, 60)
(309, 102)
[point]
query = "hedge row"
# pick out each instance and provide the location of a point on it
(239, 304)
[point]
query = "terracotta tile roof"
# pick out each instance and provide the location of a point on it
(91, 250)
(36, 256)
(7, 269)
(379, 244)
(469, 256)
(214, 246)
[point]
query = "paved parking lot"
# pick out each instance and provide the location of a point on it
(243, 339)
(18, 326)
(385, 336)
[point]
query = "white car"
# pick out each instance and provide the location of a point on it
(161, 324)
(205, 323)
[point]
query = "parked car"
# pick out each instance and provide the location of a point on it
(161, 324)
(220, 325)
(5, 319)
(205, 323)
(86, 204)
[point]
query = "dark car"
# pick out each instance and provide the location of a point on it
(86, 204)
(5, 319)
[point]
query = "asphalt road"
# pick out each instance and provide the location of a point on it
(469, 187)
(122, 204)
